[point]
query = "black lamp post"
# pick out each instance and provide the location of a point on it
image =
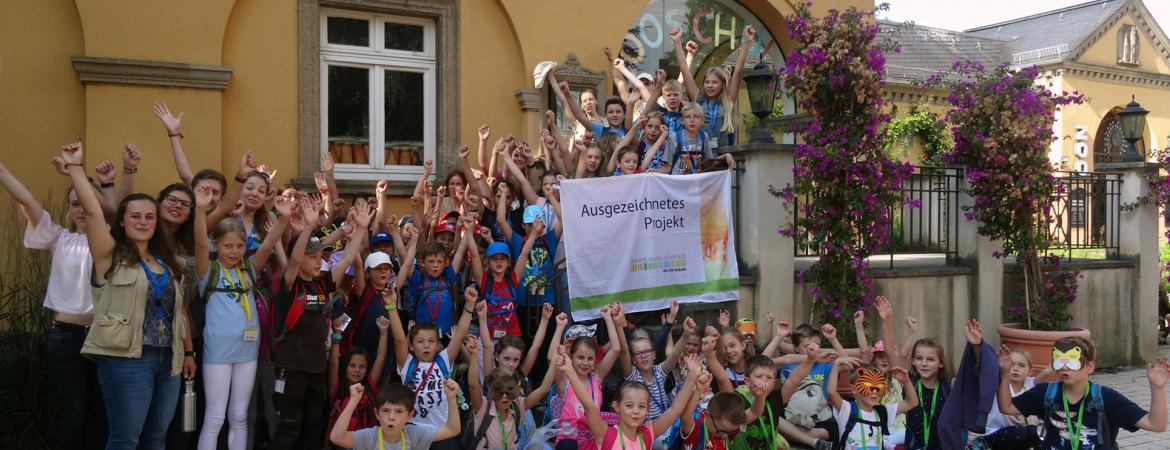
(1133, 125)
(761, 87)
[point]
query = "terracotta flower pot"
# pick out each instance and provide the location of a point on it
(1037, 343)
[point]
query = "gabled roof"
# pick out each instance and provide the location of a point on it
(926, 50)
(1050, 36)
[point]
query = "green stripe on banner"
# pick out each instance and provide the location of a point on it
(655, 293)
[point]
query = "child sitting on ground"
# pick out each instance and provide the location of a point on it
(395, 411)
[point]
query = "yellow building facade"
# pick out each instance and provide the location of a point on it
(260, 75)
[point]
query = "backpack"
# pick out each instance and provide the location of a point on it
(418, 292)
(611, 437)
(472, 436)
(807, 406)
(1096, 404)
(412, 369)
(293, 314)
(214, 272)
(855, 418)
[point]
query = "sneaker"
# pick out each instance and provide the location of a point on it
(822, 445)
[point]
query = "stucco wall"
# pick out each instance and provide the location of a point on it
(1104, 51)
(1100, 97)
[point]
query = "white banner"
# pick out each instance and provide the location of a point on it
(648, 239)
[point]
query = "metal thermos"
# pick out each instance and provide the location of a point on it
(189, 405)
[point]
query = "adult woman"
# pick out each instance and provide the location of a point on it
(139, 336)
(69, 297)
(254, 214)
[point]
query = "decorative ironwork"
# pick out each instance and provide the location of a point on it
(1085, 217)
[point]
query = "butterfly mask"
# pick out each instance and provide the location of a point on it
(1070, 359)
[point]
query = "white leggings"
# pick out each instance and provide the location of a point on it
(220, 381)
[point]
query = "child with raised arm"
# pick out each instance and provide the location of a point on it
(720, 92)
(1076, 413)
(395, 429)
(500, 400)
(864, 422)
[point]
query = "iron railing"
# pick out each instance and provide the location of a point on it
(925, 221)
(1085, 216)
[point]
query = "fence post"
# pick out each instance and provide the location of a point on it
(976, 250)
(1138, 230)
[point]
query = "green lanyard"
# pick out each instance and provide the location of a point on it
(925, 416)
(864, 444)
(622, 439)
(402, 436)
(503, 431)
(1074, 434)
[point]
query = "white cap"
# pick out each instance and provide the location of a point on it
(376, 259)
(540, 72)
(646, 76)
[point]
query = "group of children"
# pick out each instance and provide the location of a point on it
(307, 320)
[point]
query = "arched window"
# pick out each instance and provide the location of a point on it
(1109, 144)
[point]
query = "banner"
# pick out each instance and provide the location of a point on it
(648, 239)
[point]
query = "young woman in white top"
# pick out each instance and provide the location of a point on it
(69, 297)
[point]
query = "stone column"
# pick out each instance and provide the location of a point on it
(976, 251)
(529, 100)
(1138, 230)
(762, 251)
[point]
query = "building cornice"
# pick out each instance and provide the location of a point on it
(133, 72)
(1110, 74)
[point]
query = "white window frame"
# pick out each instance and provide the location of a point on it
(377, 59)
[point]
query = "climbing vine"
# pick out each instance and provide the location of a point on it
(919, 121)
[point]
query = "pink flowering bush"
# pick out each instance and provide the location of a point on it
(846, 184)
(1002, 122)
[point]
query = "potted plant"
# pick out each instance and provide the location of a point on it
(1002, 124)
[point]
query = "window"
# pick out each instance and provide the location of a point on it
(1076, 207)
(377, 94)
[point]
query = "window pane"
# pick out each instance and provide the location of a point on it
(404, 118)
(349, 114)
(346, 31)
(401, 36)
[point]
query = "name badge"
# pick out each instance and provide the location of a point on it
(498, 334)
(278, 387)
(250, 334)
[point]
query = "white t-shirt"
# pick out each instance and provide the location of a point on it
(864, 437)
(68, 290)
(996, 419)
(430, 403)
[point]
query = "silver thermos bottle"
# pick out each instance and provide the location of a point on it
(188, 405)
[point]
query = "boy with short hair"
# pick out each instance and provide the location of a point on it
(805, 388)
(1093, 413)
(429, 286)
(395, 430)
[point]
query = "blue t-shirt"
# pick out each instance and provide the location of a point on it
(599, 129)
(539, 269)
(431, 297)
(1120, 413)
(819, 372)
(225, 319)
(365, 329)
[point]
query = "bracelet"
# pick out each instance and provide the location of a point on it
(336, 337)
(106, 185)
(129, 171)
(189, 353)
(73, 164)
(468, 311)
(391, 307)
(239, 179)
(179, 135)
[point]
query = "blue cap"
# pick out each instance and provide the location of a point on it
(380, 238)
(532, 212)
(498, 248)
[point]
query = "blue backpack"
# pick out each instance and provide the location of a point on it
(1096, 404)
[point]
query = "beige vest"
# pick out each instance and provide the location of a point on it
(119, 309)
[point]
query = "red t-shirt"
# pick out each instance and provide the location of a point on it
(501, 305)
(691, 441)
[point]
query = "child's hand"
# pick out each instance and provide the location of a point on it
(464, 151)
(826, 355)
(619, 64)
(693, 364)
(901, 375)
(749, 33)
(451, 388)
(859, 319)
(783, 328)
(912, 324)
(829, 331)
(327, 162)
(546, 312)
(692, 47)
(485, 130)
(760, 389)
(562, 320)
(442, 191)
(848, 361)
(470, 295)
(105, 172)
(71, 154)
(248, 163)
(724, 319)
(383, 324)
(428, 166)
(131, 157)
(390, 297)
(538, 224)
(619, 317)
(481, 312)
(337, 324)
(284, 206)
(563, 363)
(689, 325)
(319, 181)
(472, 346)
(356, 390)
(883, 307)
(673, 314)
(709, 344)
(676, 35)
(1005, 358)
(704, 382)
(1158, 372)
(974, 332)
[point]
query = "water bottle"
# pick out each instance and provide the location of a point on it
(189, 405)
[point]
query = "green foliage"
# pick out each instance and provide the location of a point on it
(936, 136)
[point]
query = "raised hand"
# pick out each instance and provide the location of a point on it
(546, 139)
(327, 162)
(1158, 372)
(562, 319)
(563, 363)
(974, 332)
(692, 47)
(131, 157)
(203, 196)
(783, 328)
(901, 375)
(169, 121)
(676, 35)
(883, 307)
(428, 166)
(859, 318)
(704, 382)
(608, 53)
(485, 131)
(383, 323)
(106, 172)
(724, 319)
(470, 295)
(689, 325)
(708, 344)
(355, 391)
(472, 346)
(1005, 358)
(673, 314)
(309, 215)
(912, 324)
(319, 181)
(481, 310)
(749, 34)
(618, 63)
(693, 363)
(71, 154)
(451, 387)
(829, 332)
(363, 216)
(248, 163)
(59, 164)
(390, 297)
(464, 151)
(546, 312)
(550, 118)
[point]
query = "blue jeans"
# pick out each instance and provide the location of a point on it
(76, 382)
(140, 398)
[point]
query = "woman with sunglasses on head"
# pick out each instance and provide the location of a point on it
(139, 337)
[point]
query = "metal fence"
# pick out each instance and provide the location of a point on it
(925, 221)
(1085, 216)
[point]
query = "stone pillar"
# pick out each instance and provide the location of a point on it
(1139, 241)
(529, 100)
(976, 251)
(762, 251)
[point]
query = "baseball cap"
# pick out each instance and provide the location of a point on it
(380, 238)
(498, 248)
(646, 76)
(532, 212)
(376, 259)
(448, 214)
(540, 72)
(445, 227)
(314, 245)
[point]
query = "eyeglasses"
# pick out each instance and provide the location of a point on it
(644, 353)
(721, 432)
(172, 200)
